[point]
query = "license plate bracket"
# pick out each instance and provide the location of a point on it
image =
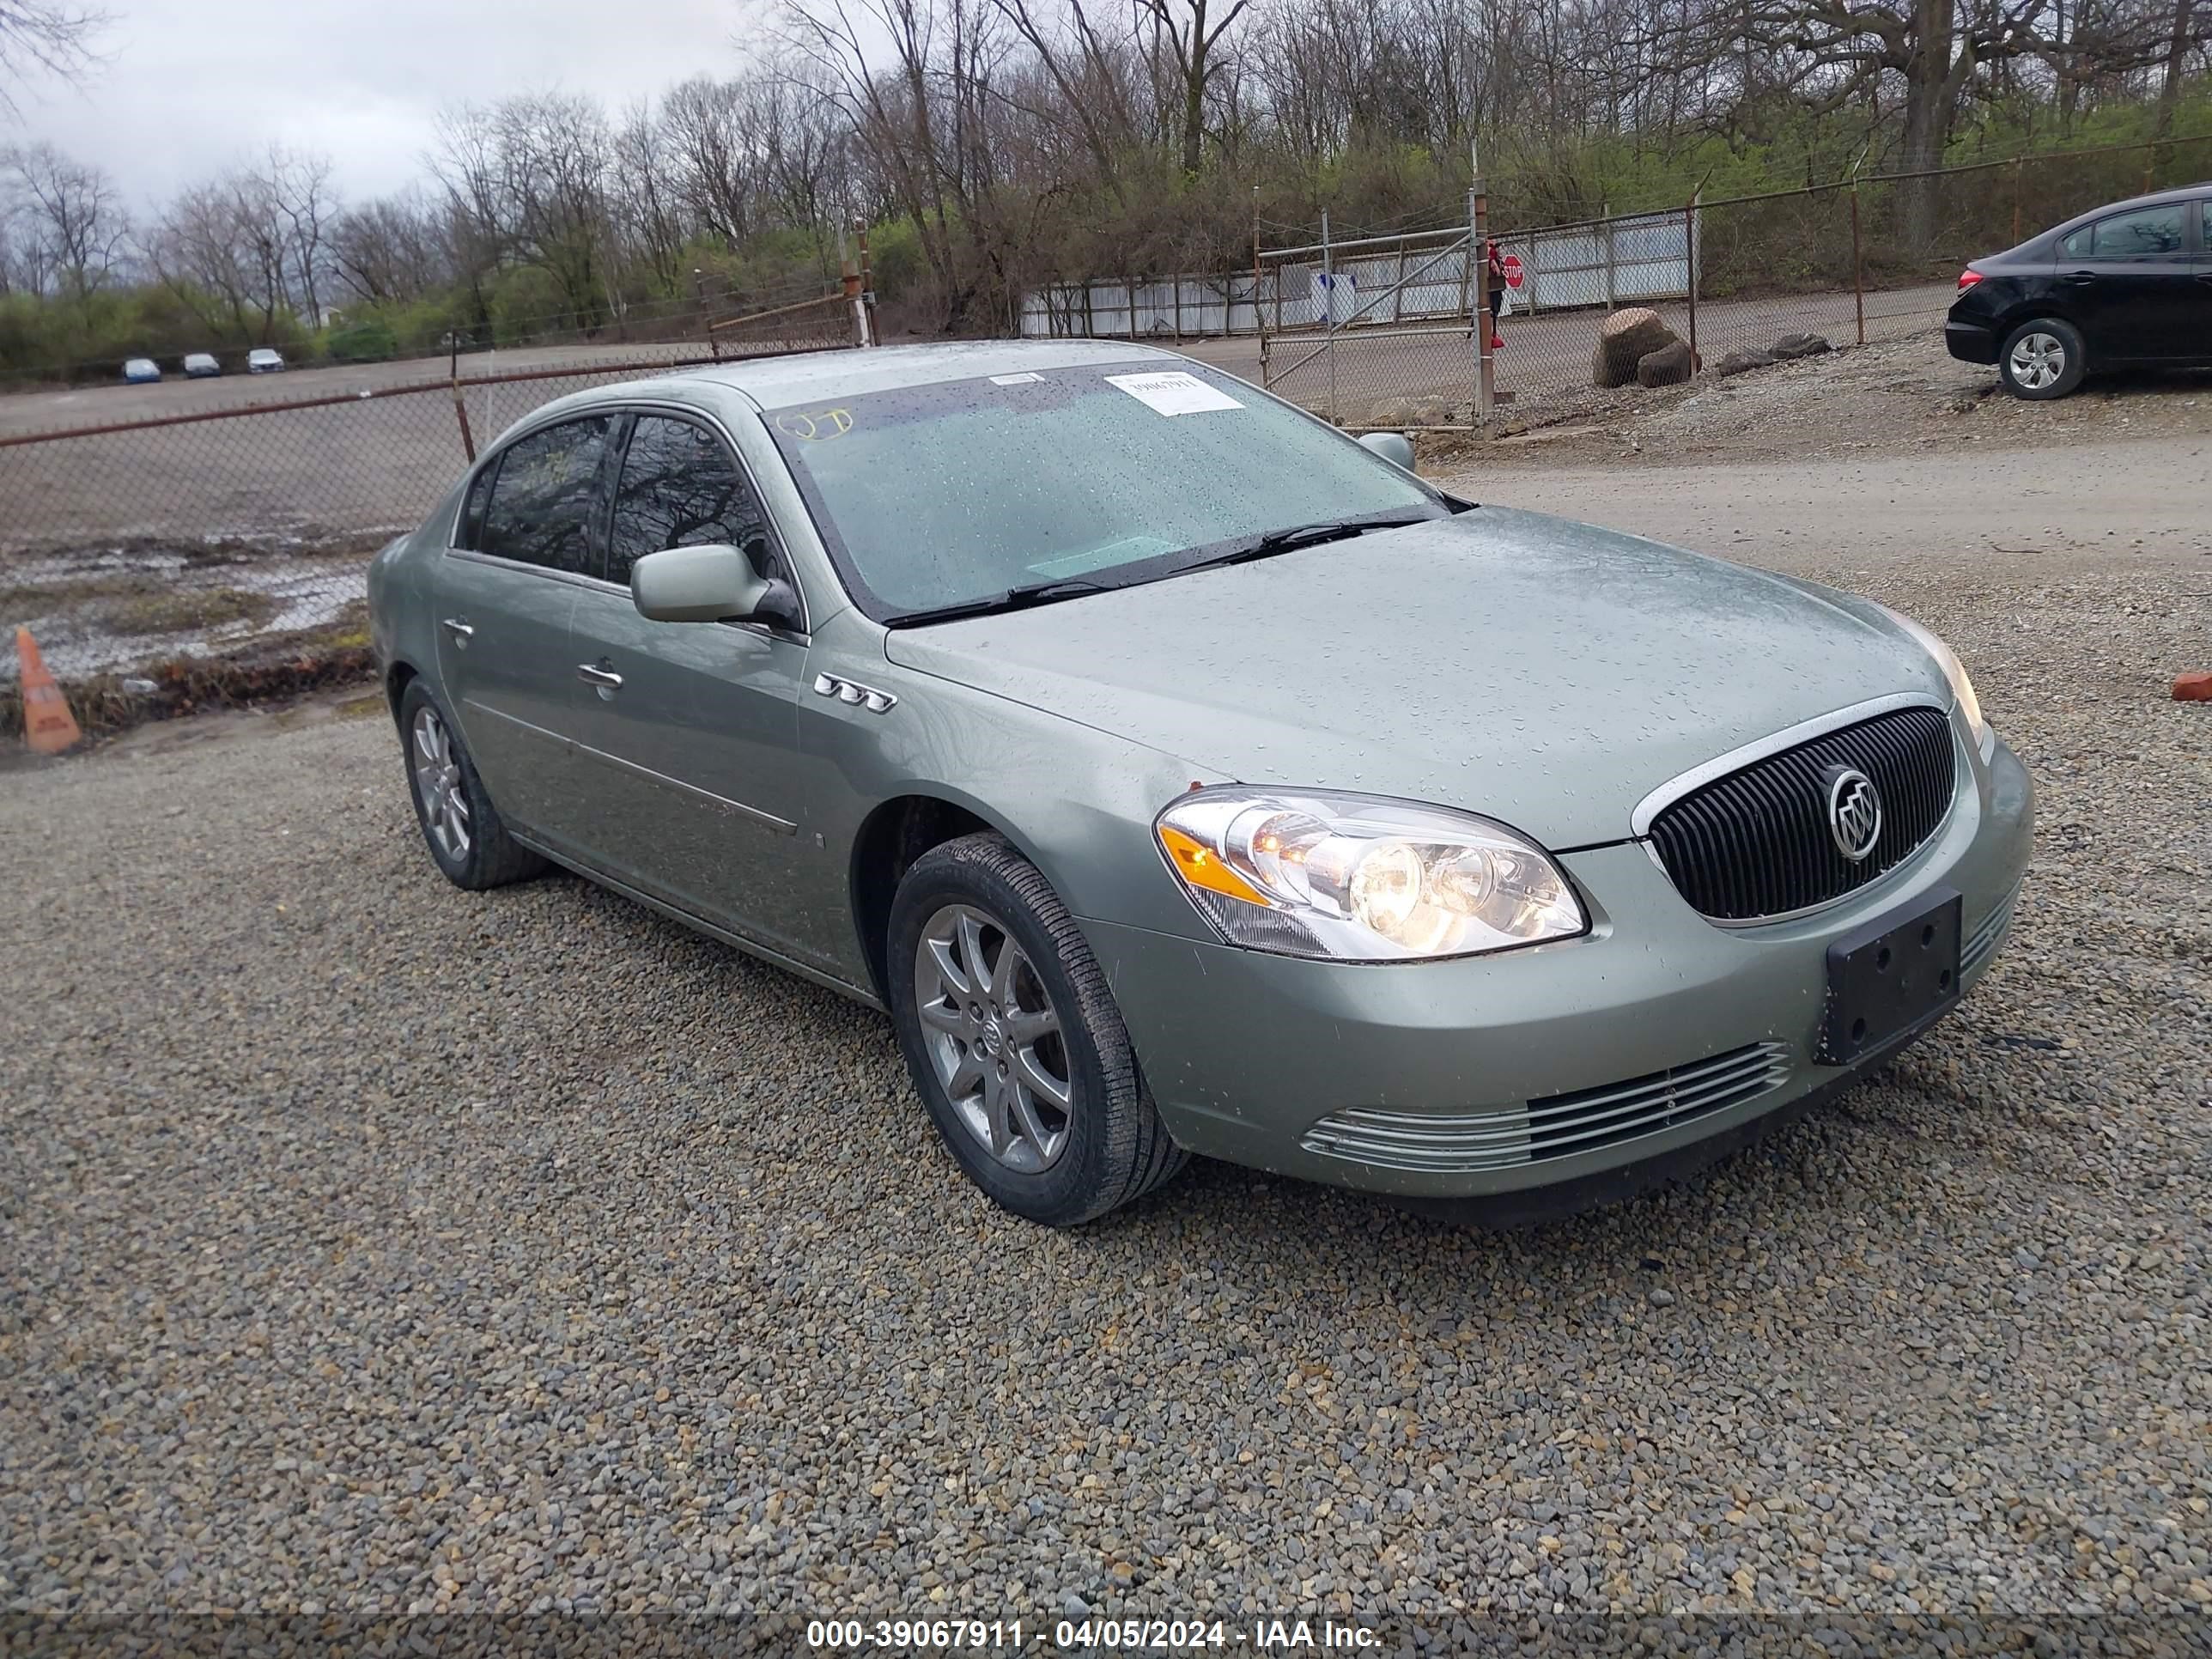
(1890, 977)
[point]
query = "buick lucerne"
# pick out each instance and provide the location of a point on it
(1183, 777)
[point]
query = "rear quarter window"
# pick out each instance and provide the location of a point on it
(473, 509)
(539, 510)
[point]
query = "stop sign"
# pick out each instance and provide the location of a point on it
(1511, 266)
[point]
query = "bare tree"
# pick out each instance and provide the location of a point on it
(55, 37)
(300, 199)
(1181, 34)
(70, 227)
(392, 248)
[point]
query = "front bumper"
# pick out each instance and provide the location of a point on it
(1262, 1060)
(1970, 342)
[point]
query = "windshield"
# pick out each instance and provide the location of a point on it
(946, 494)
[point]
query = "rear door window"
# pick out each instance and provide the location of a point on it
(2145, 234)
(681, 487)
(539, 511)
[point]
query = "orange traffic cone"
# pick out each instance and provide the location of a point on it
(48, 725)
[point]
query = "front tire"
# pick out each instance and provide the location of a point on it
(1014, 1042)
(2042, 360)
(460, 826)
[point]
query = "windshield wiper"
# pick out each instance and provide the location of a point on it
(1014, 598)
(1305, 535)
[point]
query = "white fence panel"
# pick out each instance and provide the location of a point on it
(1184, 306)
(1641, 257)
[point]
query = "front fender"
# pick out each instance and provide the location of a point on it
(1078, 803)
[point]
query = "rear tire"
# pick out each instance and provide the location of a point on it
(1013, 1039)
(467, 840)
(2042, 360)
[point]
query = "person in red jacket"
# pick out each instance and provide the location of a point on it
(1495, 279)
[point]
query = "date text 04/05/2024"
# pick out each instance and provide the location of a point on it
(1127, 1635)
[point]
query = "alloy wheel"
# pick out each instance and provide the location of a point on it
(2038, 360)
(438, 785)
(993, 1038)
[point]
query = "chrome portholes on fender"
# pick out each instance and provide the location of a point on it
(854, 693)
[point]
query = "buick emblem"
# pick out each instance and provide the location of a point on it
(1854, 814)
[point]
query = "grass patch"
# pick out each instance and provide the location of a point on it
(45, 599)
(178, 609)
(267, 668)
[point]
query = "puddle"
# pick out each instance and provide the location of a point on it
(115, 607)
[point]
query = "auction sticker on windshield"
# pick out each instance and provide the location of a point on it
(1171, 391)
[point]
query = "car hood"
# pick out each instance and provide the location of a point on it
(1545, 673)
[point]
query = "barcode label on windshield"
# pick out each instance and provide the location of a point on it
(1171, 391)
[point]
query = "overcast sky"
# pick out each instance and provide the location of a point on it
(190, 85)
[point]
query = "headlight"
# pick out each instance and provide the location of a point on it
(1354, 878)
(1962, 687)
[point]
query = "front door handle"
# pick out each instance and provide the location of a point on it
(592, 674)
(2205, 277)
(460, 629)
(2081, 278)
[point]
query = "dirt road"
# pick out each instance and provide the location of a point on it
(1545, 355)
(2121, 503)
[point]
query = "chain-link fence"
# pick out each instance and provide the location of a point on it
(1381, 331)
(219, 548)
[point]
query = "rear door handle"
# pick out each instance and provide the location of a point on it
(2081, 278)
(2205, 277)
(461, 630)
(592, 674)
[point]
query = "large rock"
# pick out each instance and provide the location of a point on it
(1798, 345)
(1624, 339)
(1742, 363)
(1670, 365)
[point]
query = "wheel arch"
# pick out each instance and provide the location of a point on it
(396, 678)
(895, 833)
(2023, 312)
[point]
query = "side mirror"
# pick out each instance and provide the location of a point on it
(706, 583)
(1393, 446)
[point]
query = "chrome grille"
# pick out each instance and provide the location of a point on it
(1758, 843)
(1556, 1126)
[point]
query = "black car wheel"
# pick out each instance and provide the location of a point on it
(1014, 1041)
(460, 826)
(2042, 359)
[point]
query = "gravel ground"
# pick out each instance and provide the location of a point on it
(369, 1248)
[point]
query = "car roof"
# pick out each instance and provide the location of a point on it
(810, 376)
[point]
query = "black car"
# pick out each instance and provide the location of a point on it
(2127, 285)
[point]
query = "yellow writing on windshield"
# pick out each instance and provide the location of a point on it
(812, 426)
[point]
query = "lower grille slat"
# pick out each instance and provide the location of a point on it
(1758, 842)
(1554, 1126)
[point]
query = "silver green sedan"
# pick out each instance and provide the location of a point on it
(1183, 777)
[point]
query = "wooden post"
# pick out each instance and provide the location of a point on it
(699, 287)
(1690, 258)
(1858, 263)
(1612, 257)
(848, 282)
(2015, 200)
(1258, 316)
(1329, 313)
(1398, 292)
(1478, 264)
(460, 408)
(873, 336)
